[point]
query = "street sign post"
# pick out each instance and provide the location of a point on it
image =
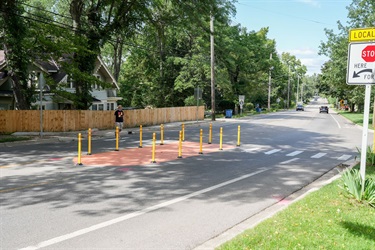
(41, 84)
(361, 63)
(361, 70)
(241, 100)
(198, 96)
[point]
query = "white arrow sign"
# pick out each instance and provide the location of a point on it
(361, 69)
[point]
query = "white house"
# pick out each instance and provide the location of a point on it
(104, 99)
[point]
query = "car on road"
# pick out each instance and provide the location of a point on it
(323, 109)
(300, 107)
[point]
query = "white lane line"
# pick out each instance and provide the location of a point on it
(344, 157)
(272, 151)
(319, 155)
(137, 213)
(289, 161)
(338, 124)
(294, 153)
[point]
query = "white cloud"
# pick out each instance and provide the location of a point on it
(302, 52)
(310, 2)
(310, 58)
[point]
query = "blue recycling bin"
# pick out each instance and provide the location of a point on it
(228, 113)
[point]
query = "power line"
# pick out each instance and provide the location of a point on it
(51, 12)
(283, 14)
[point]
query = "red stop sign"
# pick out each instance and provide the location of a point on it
(368, 53)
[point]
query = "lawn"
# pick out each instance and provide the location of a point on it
(325, 219)
(357, 118)
(11, 138)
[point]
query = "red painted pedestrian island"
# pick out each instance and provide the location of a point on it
(143, 156)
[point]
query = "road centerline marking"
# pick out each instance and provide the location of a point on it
(138, 213)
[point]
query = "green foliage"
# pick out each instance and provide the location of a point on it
(17, 44)
(332, 80)
(352, 182)
(191, 101)
(248, 106)
(369, 192)
(370, 155)
(157, 57)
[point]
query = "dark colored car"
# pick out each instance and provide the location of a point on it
(323, 109)
(300, 107)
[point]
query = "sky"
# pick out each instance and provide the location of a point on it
(297, 26)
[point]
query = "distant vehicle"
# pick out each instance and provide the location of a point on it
(300, 107)
(323, 109)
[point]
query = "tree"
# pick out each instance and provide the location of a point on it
(17, 51)
(332, 81)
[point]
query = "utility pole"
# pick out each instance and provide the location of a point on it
(269, 86)
(287, 105)
(297, 88)
(212, 67)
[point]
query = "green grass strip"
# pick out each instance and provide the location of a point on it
(326, 219)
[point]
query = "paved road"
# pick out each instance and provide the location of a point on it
(48, 202)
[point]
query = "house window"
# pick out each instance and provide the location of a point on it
(101, 106)
(110, 106)
(70, 83)
(94, 107)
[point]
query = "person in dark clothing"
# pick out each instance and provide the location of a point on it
(119, 117)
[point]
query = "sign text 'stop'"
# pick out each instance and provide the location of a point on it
(365, 34)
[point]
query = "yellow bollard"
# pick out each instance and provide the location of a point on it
(140, 136)
(161, 134)
(153, 147)
(210, 134)
(180, 145)
(89, 142)
(200, 141)
(117, 138)
(183, 132)
(238, 136)
(221, 139)
(79, 149)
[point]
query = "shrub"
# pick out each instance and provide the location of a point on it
(369, 193)
(352, 182)
(249, 106)
(370, 156)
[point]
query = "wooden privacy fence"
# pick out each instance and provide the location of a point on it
(76, 120)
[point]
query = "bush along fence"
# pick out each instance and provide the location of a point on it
(76, 120)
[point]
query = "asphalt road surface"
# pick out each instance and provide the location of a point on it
(48, 202)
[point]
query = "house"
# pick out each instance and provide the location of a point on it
(104, 99)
